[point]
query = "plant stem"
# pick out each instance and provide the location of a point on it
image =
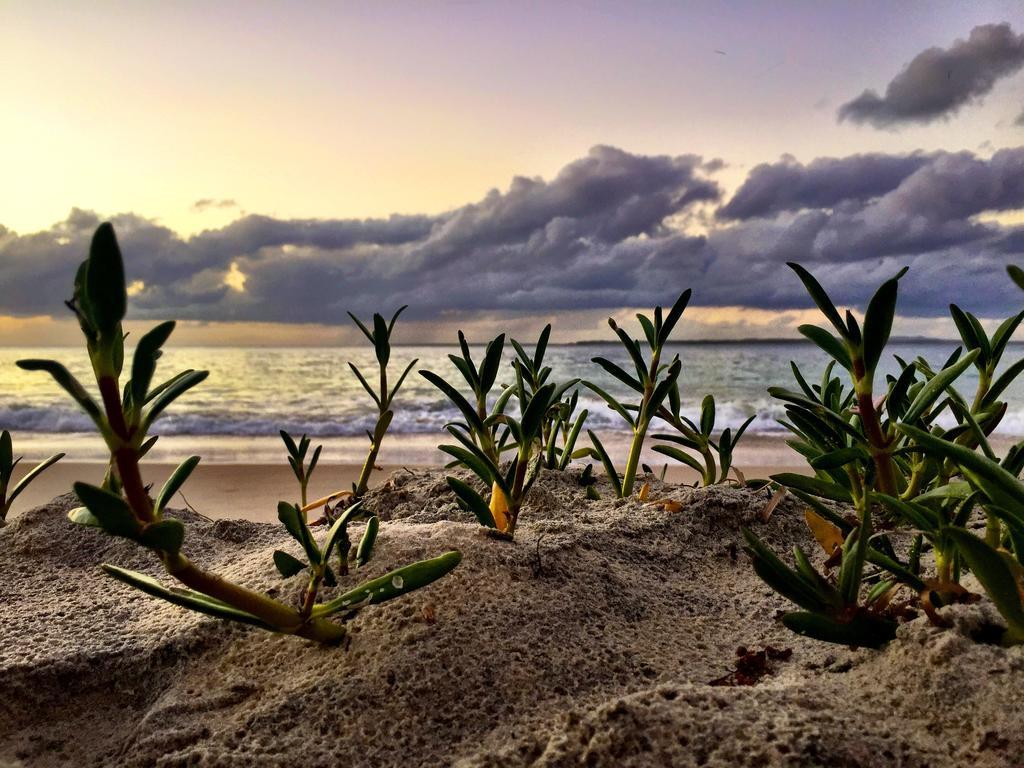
(877, 442)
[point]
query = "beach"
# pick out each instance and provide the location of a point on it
(612, 633)
(251, 490)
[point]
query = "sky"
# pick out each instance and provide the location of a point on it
(496, 166)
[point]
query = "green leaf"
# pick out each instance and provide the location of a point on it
(784, 580)
(614, 404)
(381, 343)
(820, 298)
(339, 530)
(995, 576)
(144, 361)
(401, 380)
(172, 393)
(673, 316)
(6, 456)
(832, 346)
(365, 385)
(69, 384)
(164, 535)
(365, 549)
(287, 565)
(174, 482)
(707, 415)
(468, 411)
(1016, 274)
(533, 417)
(104, 281)
(541, 348)
(878, 322)
(814, 486)
(609, 466)
(839, 458)
(864, 631)
(392, 585)
(112, 511)
(186, 598)
(617, 372)
(362, 327)
(293, 521)
(394, 318)
(1002, 382)
(492, 360)
(967, 330)
(680, 456)
(931, 391)
(472, 502)
(994, 481)
(31, 475)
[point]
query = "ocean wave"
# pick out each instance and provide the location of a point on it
(425, 418)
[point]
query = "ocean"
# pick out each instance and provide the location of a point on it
(251, 393)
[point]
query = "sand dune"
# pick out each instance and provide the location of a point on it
(589, 641)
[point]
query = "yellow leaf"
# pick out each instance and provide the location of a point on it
(827, 534)
(645, 491)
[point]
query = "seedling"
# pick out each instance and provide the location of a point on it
(383, 397)
(886, 456)
(482, 438)
(561, 426)
(700, 438)
(125, 415)
(297, 460)
(654, 380)
(481, 420)
(7, 466)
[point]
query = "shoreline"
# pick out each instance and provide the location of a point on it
(249, 488)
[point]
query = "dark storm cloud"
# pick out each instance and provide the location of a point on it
(772, 188)
(939, 81)
(609, 231)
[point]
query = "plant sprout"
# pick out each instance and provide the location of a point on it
(7, 466)
(885, 456)
(653, 382)
(482, 438)
(699, 438)
(560, 423)
(297, 460)
(383, 398)
(125, 415)
(481, 421)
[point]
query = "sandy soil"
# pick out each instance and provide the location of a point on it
(251, 491)
(589, 641)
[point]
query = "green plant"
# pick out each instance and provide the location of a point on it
(383, 398)
(297, 460)
(874, 454)
(654, 380)
(699, 438)
(481, 421)
(561, 426)
(7, 466)
(125, 415)
(484, 436)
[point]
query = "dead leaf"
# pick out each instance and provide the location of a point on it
(773, 502)
(645, 491)
(669, 505)
(827, 534)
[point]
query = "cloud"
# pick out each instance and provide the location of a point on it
(206, 203)
(938, 82)
(608, 231)
(773, 188)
